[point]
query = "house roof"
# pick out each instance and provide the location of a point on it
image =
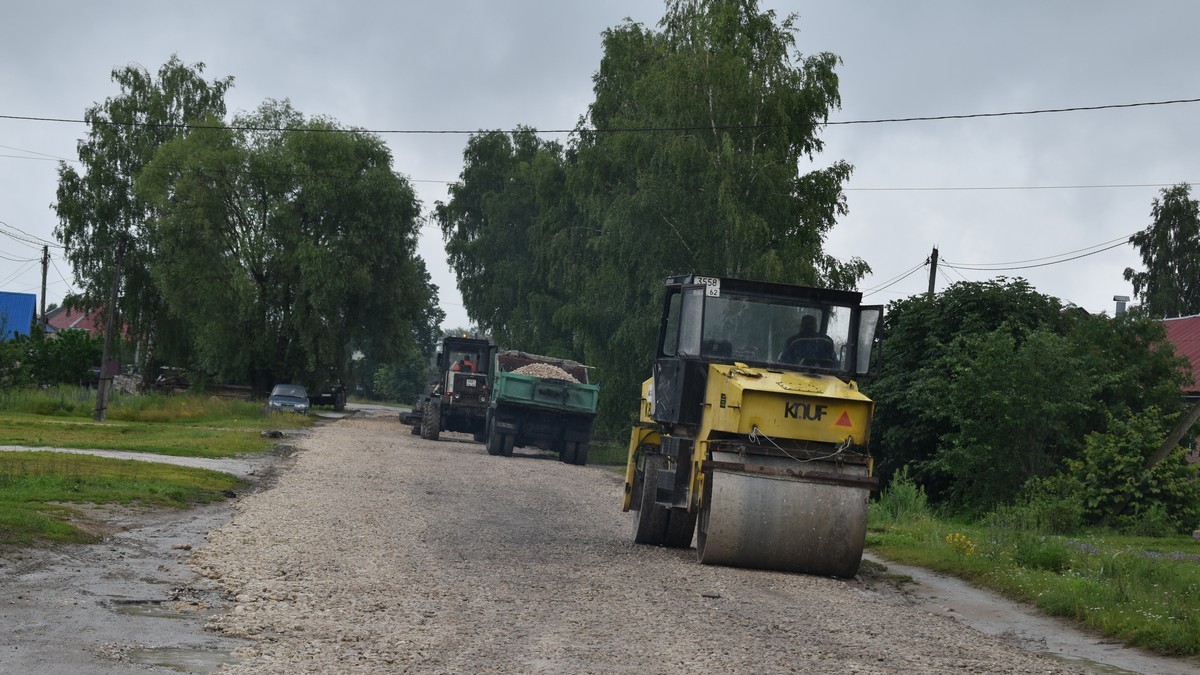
(1184, 334)
(64, 318)
(16, 313)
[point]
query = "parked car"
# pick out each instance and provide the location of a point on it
(288, 398)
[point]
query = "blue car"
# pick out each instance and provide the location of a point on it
(288, 398)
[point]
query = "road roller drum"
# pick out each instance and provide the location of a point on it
(786, 524)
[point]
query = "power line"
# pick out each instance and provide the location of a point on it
(17, 260)
(70, 287)
(1015, 187)
(1025, 267)
(886, 120)
(1050, 257)
(24, 237)
(895, 280)
(21, 270)
(1011, 113)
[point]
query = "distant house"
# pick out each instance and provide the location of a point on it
(17, 311)
(62, 318)
(1184, 333)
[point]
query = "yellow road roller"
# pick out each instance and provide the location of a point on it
(753, 438)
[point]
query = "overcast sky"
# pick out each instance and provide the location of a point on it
(1008, 191)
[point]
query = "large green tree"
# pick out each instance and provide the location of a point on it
(499, 223)
(1170, 250)
(102, 220)
(690, 160)
(286, 244)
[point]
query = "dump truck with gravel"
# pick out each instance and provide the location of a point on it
(753, 436)
(543, 402)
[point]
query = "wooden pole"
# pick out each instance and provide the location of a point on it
(105, 384)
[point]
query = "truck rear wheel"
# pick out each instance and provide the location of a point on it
(506, 444)
(581, 454)
(492, 442)
(431, 421)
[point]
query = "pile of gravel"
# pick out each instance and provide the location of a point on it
(545, 371)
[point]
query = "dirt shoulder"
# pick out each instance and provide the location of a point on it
(131, 601)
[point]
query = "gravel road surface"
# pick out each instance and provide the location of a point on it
(382, 552)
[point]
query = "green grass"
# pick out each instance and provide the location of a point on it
(38, 487)
(188, 425)
(1142, 591)
(608, 453)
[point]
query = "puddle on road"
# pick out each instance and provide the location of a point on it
(182, 659)
(1089, 665)
(162, 609)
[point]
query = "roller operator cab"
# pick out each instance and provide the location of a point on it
(753, 435)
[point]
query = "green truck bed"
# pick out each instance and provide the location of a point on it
(530, 391)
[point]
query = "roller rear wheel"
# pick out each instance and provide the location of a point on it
(655, 524)
(650, 520)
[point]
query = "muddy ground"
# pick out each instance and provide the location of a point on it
(140, 601)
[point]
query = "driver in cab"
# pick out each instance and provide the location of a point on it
(464, 365)
(809, 346)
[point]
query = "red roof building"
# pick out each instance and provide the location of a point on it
(1184, 334)
(62, 318)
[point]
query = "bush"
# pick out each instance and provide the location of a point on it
(1150, 522)
(1050, 505)
(1042, 553)
(1118, 489)
(902, 500)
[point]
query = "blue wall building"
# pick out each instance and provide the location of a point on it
(17, 311)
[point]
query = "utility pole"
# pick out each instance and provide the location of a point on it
(106, 378)
(45, 265)
(932, 270)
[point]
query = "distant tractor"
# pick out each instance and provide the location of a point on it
(458, 398)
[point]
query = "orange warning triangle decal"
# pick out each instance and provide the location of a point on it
(844, 420)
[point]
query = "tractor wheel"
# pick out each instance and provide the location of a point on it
(431, 421)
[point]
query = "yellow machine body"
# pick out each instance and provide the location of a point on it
(762, 460)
